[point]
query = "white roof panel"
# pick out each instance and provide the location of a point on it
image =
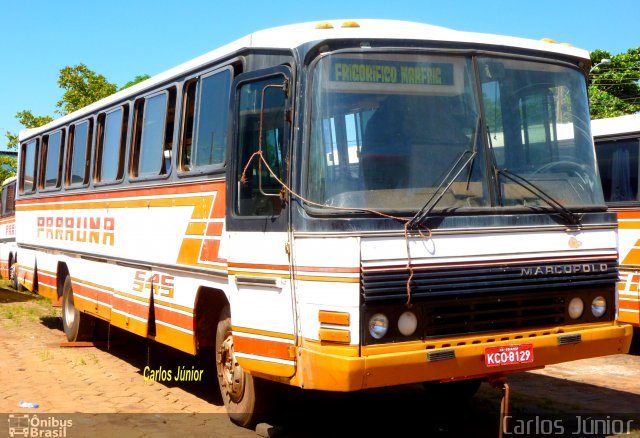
(615, 125)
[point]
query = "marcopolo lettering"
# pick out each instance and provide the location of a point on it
(582, 268)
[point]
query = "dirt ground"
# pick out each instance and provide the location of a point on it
(103, 391)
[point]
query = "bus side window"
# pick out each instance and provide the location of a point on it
(51, 160)
(79, 149)
(618, 166)
(206, 112)
(112, 135)
(28, 166)
(153, 134)
(9, 199)
(258, 189)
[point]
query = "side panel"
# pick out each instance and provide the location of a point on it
(629, 252)
(261, 302)
(7, 243)
(136, 257)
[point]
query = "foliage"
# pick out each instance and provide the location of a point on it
(614, 89)
(8, 166)
(135, 81)
(28, 120)
(82, 87)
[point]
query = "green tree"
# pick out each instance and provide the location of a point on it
(82, 87)
(8, 164)
(614, 88)
(28, 120)
(135, 80)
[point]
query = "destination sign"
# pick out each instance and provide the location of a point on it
(392, 72)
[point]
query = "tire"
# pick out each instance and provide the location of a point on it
(243, 394)
(77, 326)
(13, 274)
(459, 390)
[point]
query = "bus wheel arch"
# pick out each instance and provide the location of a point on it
(208, 305)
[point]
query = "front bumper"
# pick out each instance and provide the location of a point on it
(404, 363)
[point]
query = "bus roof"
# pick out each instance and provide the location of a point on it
(9, 180)
(615, 125)
(295, 35)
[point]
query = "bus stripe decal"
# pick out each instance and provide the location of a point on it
(261, 347)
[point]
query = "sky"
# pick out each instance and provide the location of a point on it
(123, 39)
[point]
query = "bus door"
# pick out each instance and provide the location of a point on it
(261, 288)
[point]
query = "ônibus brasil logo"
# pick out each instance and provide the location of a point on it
(33, 426)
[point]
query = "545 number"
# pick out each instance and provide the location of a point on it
(162, 285)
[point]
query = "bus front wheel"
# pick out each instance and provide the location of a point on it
(243, 394)
(77, 326)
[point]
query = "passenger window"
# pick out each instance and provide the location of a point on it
(51, 160)
(111, 144)
(259, 190)
(79, 146)
(9, 199)
(153, 134)
(28, 166)
(618, 165)
(206, 114)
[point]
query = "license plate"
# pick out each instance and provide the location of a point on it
(508, 355)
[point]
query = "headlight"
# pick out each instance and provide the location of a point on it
(407, 323)
(576, 307)
(378, 325)
(598, 306)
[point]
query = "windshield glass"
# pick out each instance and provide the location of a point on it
(539, 128)
(387, 129)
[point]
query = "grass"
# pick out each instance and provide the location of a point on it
(24, 306)
(45, 355)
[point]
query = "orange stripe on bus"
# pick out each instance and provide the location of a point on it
(131, 307)
(210, 250)
(214, 229)
(259, 266)
(129, 193)
(219, 208)
(626, 225)
(628, 214)
(628, 305)
(174, 318)
(261, 347)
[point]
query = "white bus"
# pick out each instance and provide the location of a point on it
(335, 206)
(617, 141)
(8, 231)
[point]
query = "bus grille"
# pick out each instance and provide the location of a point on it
(428, 283)
(452, 301)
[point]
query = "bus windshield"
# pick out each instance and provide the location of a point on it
(387, 129)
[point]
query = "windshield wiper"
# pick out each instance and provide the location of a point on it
(568, 215)
(442, 188)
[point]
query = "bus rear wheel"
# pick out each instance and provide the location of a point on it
(243, 394)
(13, 274)
(77, 326)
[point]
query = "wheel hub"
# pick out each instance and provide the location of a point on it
(232, 373)
(69, 311)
